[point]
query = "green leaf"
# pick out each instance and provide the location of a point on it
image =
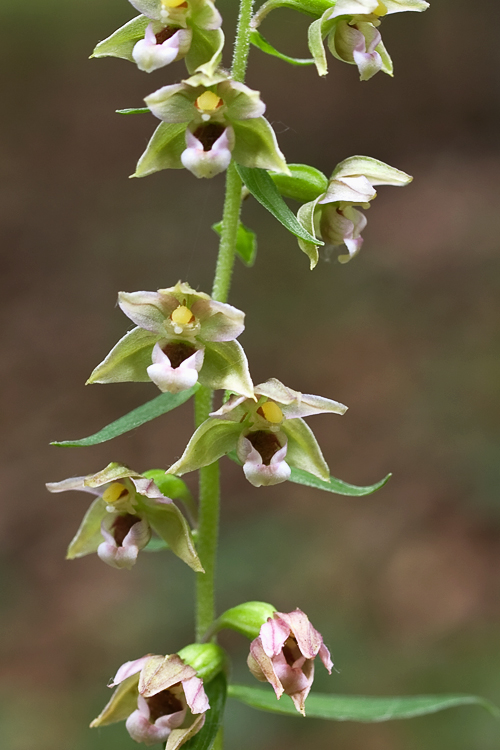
(313, 8)
(134, 111)
(335, 485)
(304, 183)
(246, 243)
(357, 707)
(122, 42)
(216, 691)
(258, 41)
(264, 190)
(145, 413)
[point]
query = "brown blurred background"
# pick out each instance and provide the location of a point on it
(404, 584)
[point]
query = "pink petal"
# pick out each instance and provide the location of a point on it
(195, 695)
(273, 635)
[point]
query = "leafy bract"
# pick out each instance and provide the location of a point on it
(246, 243)
(258, 41)
(356, 707)
(334, 485)
(263, 189)
(145, 413)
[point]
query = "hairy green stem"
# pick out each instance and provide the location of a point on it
(208, 528)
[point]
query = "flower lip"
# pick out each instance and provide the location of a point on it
(208, 134)
(178, 352)
(265, 443)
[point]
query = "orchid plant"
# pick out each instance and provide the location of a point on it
(185, 342)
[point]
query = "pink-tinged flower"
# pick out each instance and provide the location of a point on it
(283, 655)
(182, 336)
(267, 432)
(119, 522)
(160, 48)
(170, 701)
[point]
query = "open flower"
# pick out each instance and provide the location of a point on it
(167, 31)
(181, 336)
(351, 30)
(118, 524)
(332, 216)
(160, 698)
(206, 122)
(267, 432)
(283, 654)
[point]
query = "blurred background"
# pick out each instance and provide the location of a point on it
(404, 584)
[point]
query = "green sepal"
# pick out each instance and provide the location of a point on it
(303, 450)
(356, 707)
(163, 150)
(387, 65)
(306, 217)
(205, 52)
(137, 417)
(123, 40)
(225, 367)
(258, 41)
(337, 486)
(246, 243)
(171, 526)
(376, 172)
(128, 359)
(122, 703)
(263, 189)
(207, 658)
(88, 537)
(315, 38)
(256, 145)
(174, 488)
(212, 440)
(304, 183)
(246, 619)
(205, 739)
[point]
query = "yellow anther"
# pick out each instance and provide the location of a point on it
(208, 101)
(380, 10)
(172, 3)
(113, 493)
(182, 315)
(271, 412)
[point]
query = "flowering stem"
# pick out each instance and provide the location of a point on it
(208, 528)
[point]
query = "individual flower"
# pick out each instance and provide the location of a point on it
(332, 216)
(267, 432)
(167, 31)
(206, 122)
(118, 524)
(351, 30)
(182, 336)
(283, 654)
(161, 699)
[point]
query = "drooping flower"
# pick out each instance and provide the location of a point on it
(351, 30)
(167, 31)
(283, 654)
(182, 336)
(206, 122)
(161, 699)
(118, 524)
(267, 432)
(332, 216)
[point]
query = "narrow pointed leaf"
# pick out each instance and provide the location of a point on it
(246, 243)
(216, 691)
(258, 41)
(145, 413)
(134, 111)
(264, 190)
(356, 707)
(335, 485)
